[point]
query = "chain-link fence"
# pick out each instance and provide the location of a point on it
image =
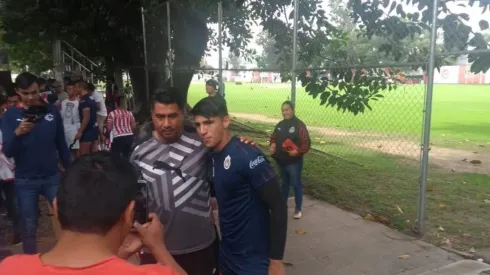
(375, 160)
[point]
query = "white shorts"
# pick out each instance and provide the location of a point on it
(70, 137)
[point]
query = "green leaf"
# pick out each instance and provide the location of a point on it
(386, 3)
(393, 6)
(465, 16)
(483, 25)
(324, 97)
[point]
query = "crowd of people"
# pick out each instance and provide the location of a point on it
(52, 148)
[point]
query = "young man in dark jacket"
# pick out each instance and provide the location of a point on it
(33, 136)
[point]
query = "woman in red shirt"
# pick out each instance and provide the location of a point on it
(122, 124)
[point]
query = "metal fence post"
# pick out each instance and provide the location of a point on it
(220, 50)
(428, 112)
(295, 46)
(169, 38)
(147, 84)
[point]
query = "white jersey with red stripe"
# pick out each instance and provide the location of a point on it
(120, 122)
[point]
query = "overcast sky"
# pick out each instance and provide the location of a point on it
(475, 14)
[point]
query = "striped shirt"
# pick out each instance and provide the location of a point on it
(178, 190)
(120, 122)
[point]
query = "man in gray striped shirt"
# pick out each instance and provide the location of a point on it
(173, 160)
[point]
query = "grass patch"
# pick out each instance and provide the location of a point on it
(459, 118)
(455, 202)
(367, 181)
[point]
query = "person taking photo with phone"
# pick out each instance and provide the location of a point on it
(33, 136)
(95, 207)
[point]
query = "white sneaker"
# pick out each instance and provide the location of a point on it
(297, 215)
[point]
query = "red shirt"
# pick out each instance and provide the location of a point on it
(32, 265)
(120, 121)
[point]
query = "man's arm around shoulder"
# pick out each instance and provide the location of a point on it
(263, 179)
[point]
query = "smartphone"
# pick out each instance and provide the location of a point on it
(141, 202)
(31, 117)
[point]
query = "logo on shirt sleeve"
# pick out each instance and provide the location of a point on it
(254, 163)
(227, 162)
(49, 117)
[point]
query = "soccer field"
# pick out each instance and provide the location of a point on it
(460, 113)
(370, 162)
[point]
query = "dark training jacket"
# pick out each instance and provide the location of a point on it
(295, 130)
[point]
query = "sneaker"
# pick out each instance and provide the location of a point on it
(16, 240)
(297, 215)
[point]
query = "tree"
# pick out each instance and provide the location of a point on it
(109, 31)
(32, 53)
(397, 25)
(235, 61)
(268, 58)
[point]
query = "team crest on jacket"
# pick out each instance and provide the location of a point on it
(291, 130)
(227, 162)
(49, 117)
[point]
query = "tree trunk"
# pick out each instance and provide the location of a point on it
(190, 38)
(118, 77)
(189, 42)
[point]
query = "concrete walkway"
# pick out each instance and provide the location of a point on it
(328, 240)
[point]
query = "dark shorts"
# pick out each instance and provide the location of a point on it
(122, 145)
(90, 135)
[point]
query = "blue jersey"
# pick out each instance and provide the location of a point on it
(87, 102)
(239, 170)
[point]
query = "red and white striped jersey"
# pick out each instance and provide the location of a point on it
(119, 121)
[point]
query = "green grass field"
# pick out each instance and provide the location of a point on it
(372, 182)
(460, 112)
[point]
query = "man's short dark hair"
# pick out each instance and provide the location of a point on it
(95, 191)
(213, 83)
(70, 84)
(169, 96)
(82, 84)
(41, 81)
(212, 106)
(3, 99)
(12, 94)
(25, 79)
(90, 87)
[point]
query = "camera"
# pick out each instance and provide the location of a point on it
(141, 202)
(35, 113)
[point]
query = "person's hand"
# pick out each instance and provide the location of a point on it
(248, 140)
(24, 128)
(272, 148)
(293, 153)
(276, 267)
(131, 245)
(151, 233)
(61, 168)
(78, 136)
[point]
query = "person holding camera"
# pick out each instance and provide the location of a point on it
(95, 206)
(33, 136)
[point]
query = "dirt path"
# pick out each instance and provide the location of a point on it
(456, 160)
